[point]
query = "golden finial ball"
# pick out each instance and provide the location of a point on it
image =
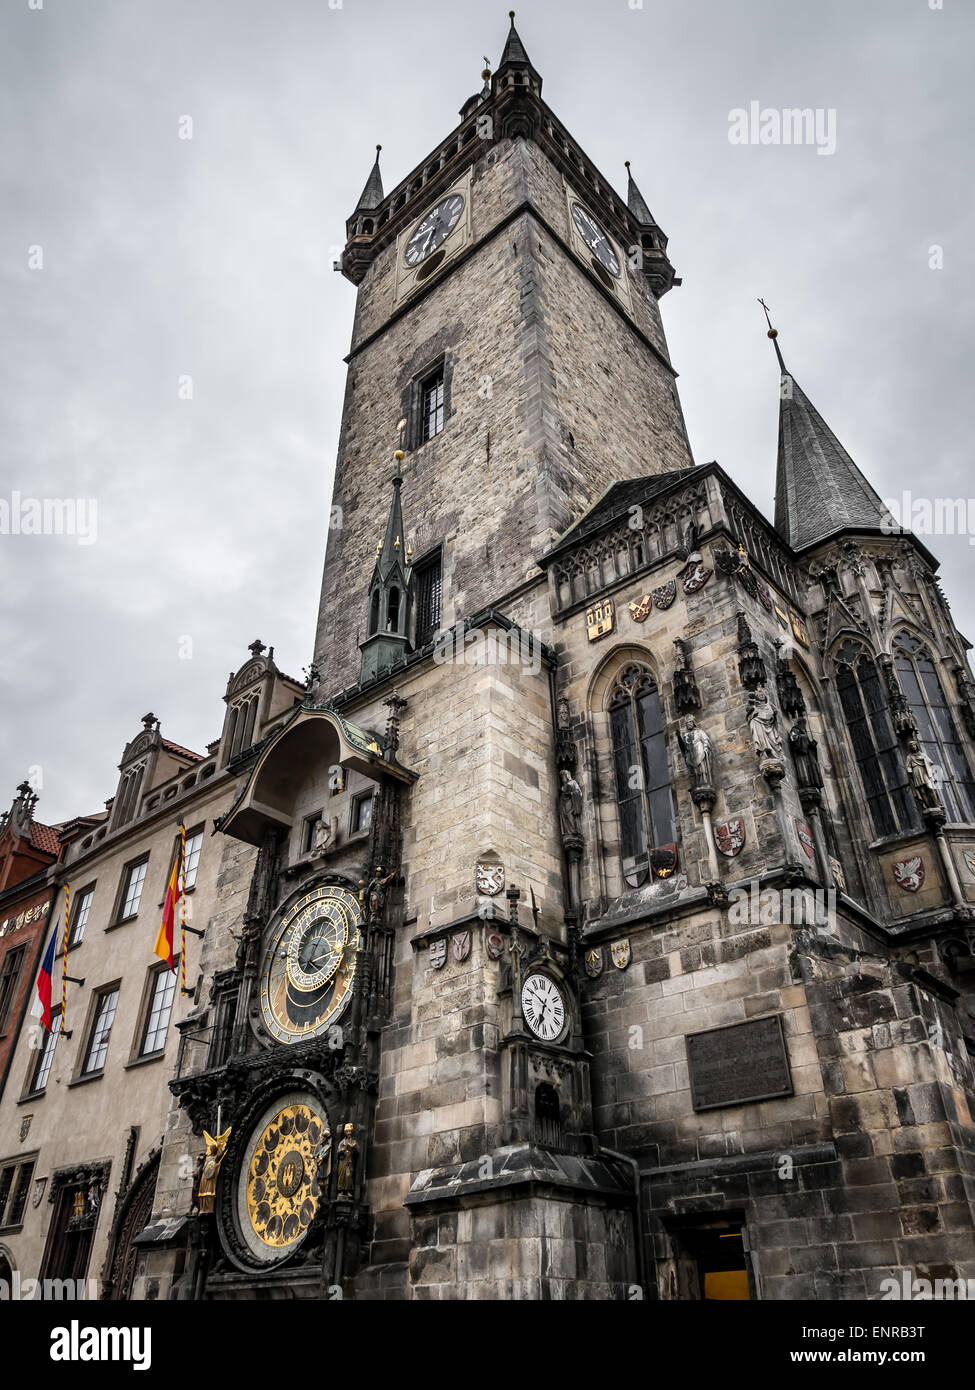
(773, 333)
(399, 456)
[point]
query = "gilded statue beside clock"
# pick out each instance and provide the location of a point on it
(309, 964)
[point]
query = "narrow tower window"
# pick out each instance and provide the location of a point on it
(427, 590)
(432, 405)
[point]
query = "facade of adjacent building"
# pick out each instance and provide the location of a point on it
(596, 921)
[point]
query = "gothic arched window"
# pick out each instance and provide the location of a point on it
(646, 807)
(936, 728)
(878, 756)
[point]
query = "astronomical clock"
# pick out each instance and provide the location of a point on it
(279, 1161)
(281, 1174)
(309, 965)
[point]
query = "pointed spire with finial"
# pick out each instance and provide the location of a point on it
(819, 490)
(514, 49)
(390, 591)
(372, 195)
(515, 56)
(636, 202)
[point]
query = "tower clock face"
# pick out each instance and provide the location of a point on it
(281, 1176)
(309, 965)
(434, 230)
(543, 1007)
(596, 239)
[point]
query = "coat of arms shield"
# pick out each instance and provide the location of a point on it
(460, 944)
(620, 951)
(665, 595)
(438, 952)
(593, 962)
(805, 837)
(663, 860)
(729, 837)
(494, 943)
(909, 873)
(489, 878)
(639, 612)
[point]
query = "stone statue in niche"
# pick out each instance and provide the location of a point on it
(570, 806)
(805, 756)
(348, 1154)
(763, 724)
(326, 835)
(923, 777)
(697, 748)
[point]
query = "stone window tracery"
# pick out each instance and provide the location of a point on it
(879, 760)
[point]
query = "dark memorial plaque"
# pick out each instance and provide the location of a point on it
(739, 1064)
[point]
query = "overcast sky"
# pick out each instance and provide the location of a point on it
(210, 258)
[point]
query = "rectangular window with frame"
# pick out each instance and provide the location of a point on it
(15, 1181)
(82, 908)
(101, 1030)
(361, 812)
(13, 963)
(432, 404)
(191, 862)
(44, 1060)
(160, 1007)
(131, 896)
(428, 588)
(308, 839)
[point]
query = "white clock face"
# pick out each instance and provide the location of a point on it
(543, 1007)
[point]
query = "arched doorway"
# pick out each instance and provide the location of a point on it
(130, 1222)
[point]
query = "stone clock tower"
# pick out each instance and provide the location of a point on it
(499, 1003)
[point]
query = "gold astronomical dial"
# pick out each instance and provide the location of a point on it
(282, 1176)
(309, 964)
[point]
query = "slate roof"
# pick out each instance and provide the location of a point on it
(636, 202)
(372, 195)
(616, 500)
(514, 49)
(819, 490)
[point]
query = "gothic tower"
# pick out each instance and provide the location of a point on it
(507, 310)
(603, 908)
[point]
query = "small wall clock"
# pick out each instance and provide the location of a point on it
(543, 1007)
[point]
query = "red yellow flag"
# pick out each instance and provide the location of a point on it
(167, 930)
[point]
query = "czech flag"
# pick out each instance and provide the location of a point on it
(164, 941)
(42, 1004)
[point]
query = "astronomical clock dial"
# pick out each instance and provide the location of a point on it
(282, 1175)
(543, 1007)
(309, 965)
(434, 230)
(596, 239)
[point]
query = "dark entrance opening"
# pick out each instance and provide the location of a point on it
(709, 1262)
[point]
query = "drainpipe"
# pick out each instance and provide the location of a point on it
(641, 1254)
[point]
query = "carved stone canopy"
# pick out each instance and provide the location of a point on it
(312, 737)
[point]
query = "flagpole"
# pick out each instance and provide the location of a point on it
(64, 960)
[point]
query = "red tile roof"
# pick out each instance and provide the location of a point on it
(44, 837)
(182, 752)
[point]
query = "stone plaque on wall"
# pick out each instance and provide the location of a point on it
(739, 1064)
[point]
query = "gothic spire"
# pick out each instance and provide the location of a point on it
(392, 552)
(372, 195)
(515, 68)
(514, 49)
(390, 593)
(819, 490)
(636, 202)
